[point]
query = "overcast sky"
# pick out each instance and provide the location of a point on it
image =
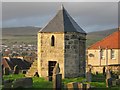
(91, 16)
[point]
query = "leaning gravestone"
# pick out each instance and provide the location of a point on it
(108, 79)
(6, 71)
(16, 69)
(57, 78)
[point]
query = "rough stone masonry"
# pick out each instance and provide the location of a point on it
(62, 41)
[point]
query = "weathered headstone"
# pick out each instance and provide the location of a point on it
(2, 69)
(8, 83)
(118, 82)
(118, 76)
(57, 82)
(16, 69)
(57, 78)
(89, 76)
(6, 71)
(56, 69)
(23, 83)
(103, 70)
(72, 86)
(108, 79)
(80, 86)
(114, 83)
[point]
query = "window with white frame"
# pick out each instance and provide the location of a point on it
(112, 54)
(102, 54)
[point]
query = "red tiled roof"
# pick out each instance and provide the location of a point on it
(111, 42)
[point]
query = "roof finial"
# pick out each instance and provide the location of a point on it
(62, 7)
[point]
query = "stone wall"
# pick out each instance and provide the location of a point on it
(95, 60)
(46, 52)
(69, 52)
(99, 69)
(74, 54)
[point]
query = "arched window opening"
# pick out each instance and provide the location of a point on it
(52, 41)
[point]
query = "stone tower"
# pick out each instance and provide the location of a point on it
(61, 41)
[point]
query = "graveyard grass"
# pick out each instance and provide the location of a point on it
(39, 82)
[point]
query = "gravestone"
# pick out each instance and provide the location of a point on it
(118, 76)
(2, 69)
(72, 86)
(80, 86)
(86, 86)
(57, 78)
(23, 83)
(57, 82)
(89, 76)
(108, 79)
(16, 69)
(8, 83)
(56, 69)
(103, 70)
(118, 82)
(114, 83)
(6, 71)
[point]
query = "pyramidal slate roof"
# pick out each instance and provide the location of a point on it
(62, 22)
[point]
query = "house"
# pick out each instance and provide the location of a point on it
(105, 53)
(61, 41)
(12, 62)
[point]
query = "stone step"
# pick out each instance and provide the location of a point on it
(31, 72)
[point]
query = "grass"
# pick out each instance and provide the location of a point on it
(28, 39)
(40, 82)
(98, 78)
(13, 76)
(68, 80)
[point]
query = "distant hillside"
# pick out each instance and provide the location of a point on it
(93, 37)
(29, 35)
(20, 31)
(20, 35)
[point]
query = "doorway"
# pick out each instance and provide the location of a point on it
(51, 65)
